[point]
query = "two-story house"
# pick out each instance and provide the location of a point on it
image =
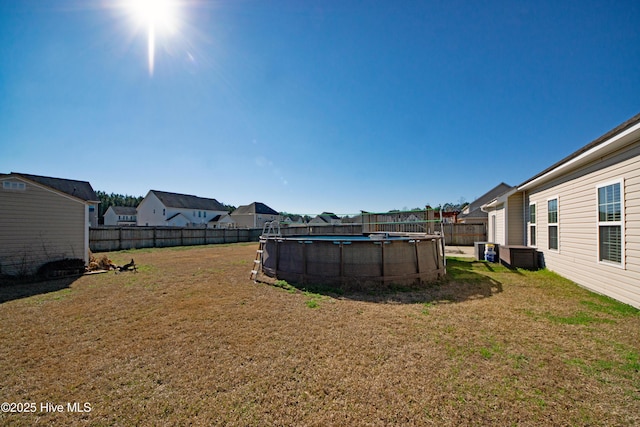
(161, 208)
(254, 215)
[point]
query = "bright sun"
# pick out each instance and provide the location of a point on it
(156, 16)
(156, 13)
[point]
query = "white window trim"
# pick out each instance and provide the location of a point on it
(621, 223)
(557, 223)
(529, 224)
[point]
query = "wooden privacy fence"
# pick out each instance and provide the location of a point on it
(464, 234)
(103, 239)
(318, 230)
(455, 234)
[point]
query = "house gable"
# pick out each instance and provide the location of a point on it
(474, 212)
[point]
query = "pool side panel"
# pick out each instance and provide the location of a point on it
(358, 262)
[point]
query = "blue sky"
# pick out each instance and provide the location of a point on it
(313, 106)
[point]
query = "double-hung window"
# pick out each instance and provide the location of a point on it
(532, 225)
(610, 223)
(552, 220)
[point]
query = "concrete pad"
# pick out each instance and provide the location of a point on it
(460, 251)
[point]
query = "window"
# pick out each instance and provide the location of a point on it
(164, 212)
(610, 223)
(552, 218)
(532, 224)
(14, 185)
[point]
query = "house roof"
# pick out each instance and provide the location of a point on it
(186, 201)
(477, 213)
(123, 210)
(255, 208)
(616, 138)
(474, 207)
(79, 189)
(327, 217)
(177, 215)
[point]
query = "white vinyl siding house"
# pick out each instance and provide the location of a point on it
(42, 219)
(596, 250)
(506, 219)
(160, 208)
(120, 215)
(587, 209)
(254, 215)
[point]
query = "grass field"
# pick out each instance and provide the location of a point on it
(190, 340)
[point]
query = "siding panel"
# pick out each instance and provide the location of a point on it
(577, 258)
(38, 225)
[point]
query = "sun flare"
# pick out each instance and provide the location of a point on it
(160, 14)
(156, 16)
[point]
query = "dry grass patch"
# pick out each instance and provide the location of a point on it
(189, 340)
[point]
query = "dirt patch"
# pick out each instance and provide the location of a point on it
(189, 339)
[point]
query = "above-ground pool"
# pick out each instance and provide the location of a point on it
(354, 260)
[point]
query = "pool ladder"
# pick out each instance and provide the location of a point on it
(269, 229)
(257, 263)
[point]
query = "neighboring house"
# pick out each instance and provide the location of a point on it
(325, 218)
(160, 208)
(582, 215)
(43, 219)
(473, 213)
(254, 215)
(120, 215)
(294, 220)
(222, 221)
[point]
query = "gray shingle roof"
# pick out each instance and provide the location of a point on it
(80, 189)
(124, 210)
(474, 207)
(186, 201)
(255, 208)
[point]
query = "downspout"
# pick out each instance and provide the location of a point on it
(86, 234)
(506, 222)
(525, 240)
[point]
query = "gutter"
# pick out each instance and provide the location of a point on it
(610, 145)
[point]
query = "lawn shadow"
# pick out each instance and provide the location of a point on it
(463, 282)
(12, 289)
